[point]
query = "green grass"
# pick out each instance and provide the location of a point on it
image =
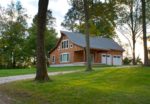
(105, 86)
(12, 72)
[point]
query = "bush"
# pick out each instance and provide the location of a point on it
(127, 61)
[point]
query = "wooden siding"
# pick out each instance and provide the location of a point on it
(77, 53)
(58, 51)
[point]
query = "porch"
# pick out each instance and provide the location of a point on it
(80, 56)
(99, 57)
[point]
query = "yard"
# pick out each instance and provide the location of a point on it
(102, 86)
(12, 72)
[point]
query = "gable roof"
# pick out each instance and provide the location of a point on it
(95, 42)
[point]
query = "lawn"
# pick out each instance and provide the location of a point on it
(12, 72)
(104, 86)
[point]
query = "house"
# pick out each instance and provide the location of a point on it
(70, 50)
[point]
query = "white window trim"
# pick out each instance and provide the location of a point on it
(63, 41)
(64, 61)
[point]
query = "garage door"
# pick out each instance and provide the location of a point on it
(106, 59)
(117, 60)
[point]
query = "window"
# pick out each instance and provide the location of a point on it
(53, 59)
(115, 56)
(118, 56)
(71, 46)
(104, 55)
(65, 44)
(64, 57)
(108, 56)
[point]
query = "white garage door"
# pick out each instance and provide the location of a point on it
(106, 59)
(117, 60)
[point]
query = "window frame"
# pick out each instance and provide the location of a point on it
(53, 59)
(64, 44)
(66, 60)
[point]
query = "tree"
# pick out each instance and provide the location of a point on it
(129, 22)
(88, 56)
(50, 38)
(71, 18)
(100, 22)
(144, 32)
(41, 73)
(13, 28)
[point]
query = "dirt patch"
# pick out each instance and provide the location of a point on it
(4, 99)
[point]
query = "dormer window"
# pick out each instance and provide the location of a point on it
(65, 44)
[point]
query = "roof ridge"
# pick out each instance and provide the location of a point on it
(97, 43)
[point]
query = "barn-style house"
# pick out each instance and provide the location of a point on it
(70, 50)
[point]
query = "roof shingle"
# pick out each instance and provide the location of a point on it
(95, 42)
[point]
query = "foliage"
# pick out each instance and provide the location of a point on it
(50, 38)
(17, 41)
(12, 35)
(102, 17)
(107, 86)
(127, 61)
(129, 22)
(138, 60)
(148, 11)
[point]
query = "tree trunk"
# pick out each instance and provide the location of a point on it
(133, 50)
(144, 33)
(13, 60)
(41, 73)
(88, 56)
(133, 32)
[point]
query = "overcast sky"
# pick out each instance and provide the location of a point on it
(58, 7)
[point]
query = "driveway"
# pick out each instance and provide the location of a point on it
(4, 99)
(29, 76)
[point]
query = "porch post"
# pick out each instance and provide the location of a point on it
(84, 55)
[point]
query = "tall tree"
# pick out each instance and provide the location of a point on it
(101, 24)
(13, 25)
(50, 38)
(129, 22)
(144, 32)
(41, 73)
(88, 55)
(71, 18)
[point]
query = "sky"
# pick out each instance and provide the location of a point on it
(59, 9)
